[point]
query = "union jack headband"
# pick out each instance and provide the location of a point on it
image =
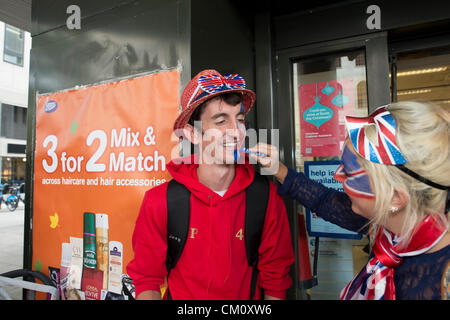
(385, 150)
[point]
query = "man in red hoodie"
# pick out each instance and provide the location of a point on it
(213, 263)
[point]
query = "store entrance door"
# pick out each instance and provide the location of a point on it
(317, 85)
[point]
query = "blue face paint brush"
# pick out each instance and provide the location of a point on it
(245, 150)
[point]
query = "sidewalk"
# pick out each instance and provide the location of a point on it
(11, 244)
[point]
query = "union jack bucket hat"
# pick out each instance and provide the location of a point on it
(206, 85)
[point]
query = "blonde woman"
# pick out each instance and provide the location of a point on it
(395, 169)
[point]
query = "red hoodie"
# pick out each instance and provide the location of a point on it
(213, 264)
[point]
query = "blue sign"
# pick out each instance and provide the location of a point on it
(323, 172)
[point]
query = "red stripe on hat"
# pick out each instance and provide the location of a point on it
(382, 150)
(388, 133)
(377, 112)
(361, 148)
(359, 120)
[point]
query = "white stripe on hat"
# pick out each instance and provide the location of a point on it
(193, 95)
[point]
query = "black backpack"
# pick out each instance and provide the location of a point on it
(178, 212)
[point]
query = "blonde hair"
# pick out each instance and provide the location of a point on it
(422, 134)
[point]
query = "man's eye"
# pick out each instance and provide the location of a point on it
(220, 122)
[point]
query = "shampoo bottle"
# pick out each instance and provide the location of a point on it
(89, 252)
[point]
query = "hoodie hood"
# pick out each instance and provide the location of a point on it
(184, 170)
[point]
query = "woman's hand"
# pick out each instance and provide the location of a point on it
(271, 162)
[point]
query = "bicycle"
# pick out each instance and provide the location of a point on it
(28, 283)
(12, 199)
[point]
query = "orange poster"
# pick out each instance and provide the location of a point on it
(98, 149)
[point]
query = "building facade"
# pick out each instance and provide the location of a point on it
(15, 46)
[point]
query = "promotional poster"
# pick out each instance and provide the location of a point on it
(98, 149)
(323, 107)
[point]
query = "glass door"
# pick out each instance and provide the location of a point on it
(317, 86)
(326, 88)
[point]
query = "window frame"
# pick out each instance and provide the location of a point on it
(23, 46)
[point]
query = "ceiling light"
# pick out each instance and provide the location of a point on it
(402, 93)
(421, 71)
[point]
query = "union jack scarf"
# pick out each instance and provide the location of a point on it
(376, 280)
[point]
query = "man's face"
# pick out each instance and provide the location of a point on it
(223, 131)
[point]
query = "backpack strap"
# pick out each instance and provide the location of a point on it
(257, 198)
(178, 212)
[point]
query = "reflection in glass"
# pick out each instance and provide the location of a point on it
(326, 88)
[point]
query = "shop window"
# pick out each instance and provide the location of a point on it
(13, 170)
(361, 89)
(424, 75)
(13, 46)
(13, 122)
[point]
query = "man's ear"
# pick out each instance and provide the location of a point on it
(192, 134)
(399, 199)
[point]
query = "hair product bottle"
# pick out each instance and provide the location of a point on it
(101, 228)
(89, 252)
(76, 265)
(66, 260)
(115, 267)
